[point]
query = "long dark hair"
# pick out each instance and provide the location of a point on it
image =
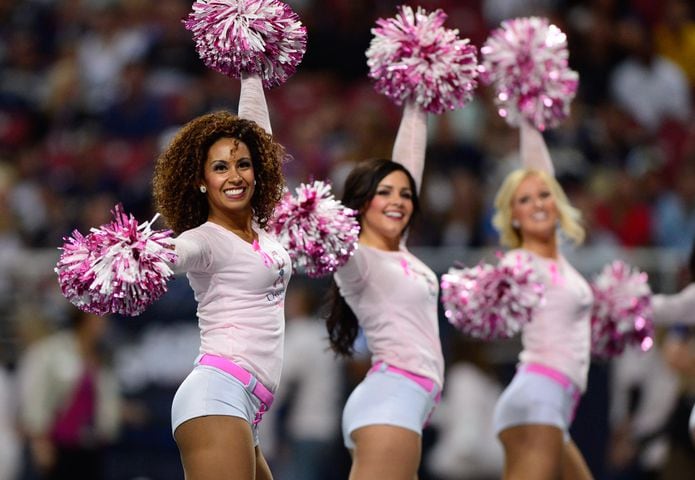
(360, 187)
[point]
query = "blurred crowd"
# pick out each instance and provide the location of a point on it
(90, 91)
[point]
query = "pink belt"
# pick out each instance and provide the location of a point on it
(549, 372)
(557, 377)
(426, 383)
(257, 388)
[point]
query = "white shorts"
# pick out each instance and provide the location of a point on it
(387, 398)
(533, 398)
(210, 391)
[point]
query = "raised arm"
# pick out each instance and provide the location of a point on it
(534, 151)
(411, 141)
(675, 308)
(252, 104)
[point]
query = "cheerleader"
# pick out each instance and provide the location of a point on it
(383, 289)
(533, 416)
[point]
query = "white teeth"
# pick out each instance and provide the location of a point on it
(539, 216)
(234, 191)
(394, 214)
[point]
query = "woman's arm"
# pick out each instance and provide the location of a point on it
(534, 151)
(252, 103)
(675, 308)
(411, 141)
(192, 254)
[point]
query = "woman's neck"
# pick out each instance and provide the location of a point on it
(241, 225)
(541, 247)
(379, 242)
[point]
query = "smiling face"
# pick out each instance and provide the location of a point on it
(387, 214)
(229, 179)
(534, 209)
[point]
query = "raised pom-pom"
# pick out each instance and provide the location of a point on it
(318, 231)
(121, 267)
(622, 313)
(263, 37)
(412, 57)
(492, 302)
(526, 60)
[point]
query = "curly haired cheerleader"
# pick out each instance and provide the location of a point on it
(216, 186)
(383, 288)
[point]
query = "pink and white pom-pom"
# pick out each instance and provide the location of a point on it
(319, 233)
(121, 267)
(526, 61)
(412, 57)
(492, 302)
(263, 37)
(622, 313)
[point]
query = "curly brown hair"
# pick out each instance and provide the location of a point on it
(178, 172)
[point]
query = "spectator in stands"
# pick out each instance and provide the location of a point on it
(663, 86)
(69, 400)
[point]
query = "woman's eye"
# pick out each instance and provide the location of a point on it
(245, 164)
(383, 192)
(219, 167)
(407, 195)
(523, 199)
(545, 194)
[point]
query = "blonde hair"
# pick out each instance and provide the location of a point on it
(570, 217)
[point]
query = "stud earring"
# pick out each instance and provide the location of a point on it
(515, 223)
(203, 189)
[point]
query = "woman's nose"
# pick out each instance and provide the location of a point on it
(234, 176)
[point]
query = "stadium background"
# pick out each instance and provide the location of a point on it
(90, 90)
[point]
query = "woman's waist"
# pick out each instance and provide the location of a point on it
(574, 371)
(430, 367)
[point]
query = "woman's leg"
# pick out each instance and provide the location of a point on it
(385, 452)
(574, 466)
(532, 451)
(262, 468)
(217, 447)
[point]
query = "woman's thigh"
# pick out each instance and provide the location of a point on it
(216, 447)
(385, 452)
(532, 451)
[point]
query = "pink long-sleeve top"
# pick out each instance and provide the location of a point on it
(394, 296)
(392, 293)
(559, 335)
(240, 290)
